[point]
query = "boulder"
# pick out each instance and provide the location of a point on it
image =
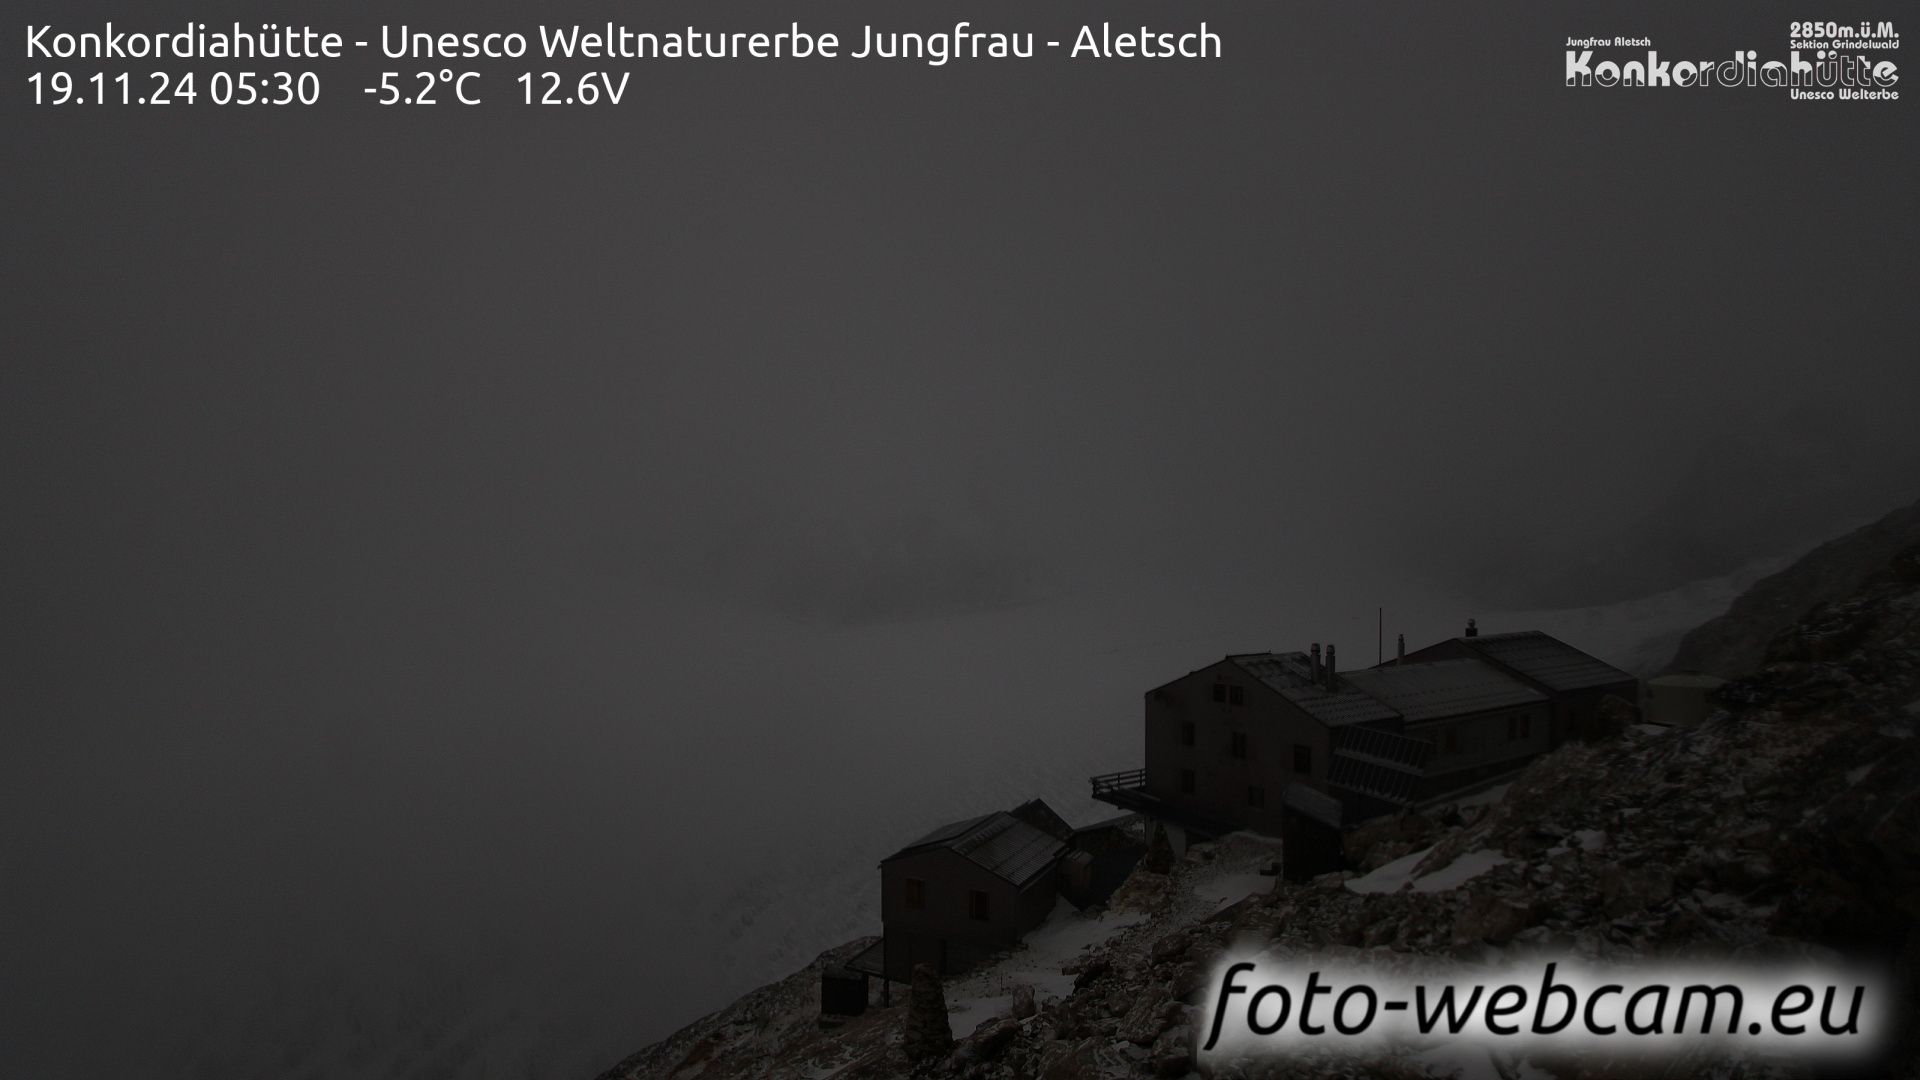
(1172, 1052)
(1172, 947)
(993, 1036)
(1144, 1022)
(1491, 918)
(1632, 890)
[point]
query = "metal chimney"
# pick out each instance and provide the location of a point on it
(1333, 678)
(1472, 630)
(1313, 664)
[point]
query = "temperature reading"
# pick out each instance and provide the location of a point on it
(427, 87)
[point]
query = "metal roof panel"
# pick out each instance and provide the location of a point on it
(1547, 660)
(1287, 674)
(998, 843)
(1442, 688)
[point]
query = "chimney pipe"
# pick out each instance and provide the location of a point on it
(1472, 630)
(1333, 679)
(1313, 664)
(1399, 647)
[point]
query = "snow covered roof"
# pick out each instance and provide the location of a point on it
(1017, 851)
(1441, 688)
(1287, 673)
(947, 832)
(1546, 660)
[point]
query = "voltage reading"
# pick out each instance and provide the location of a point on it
(590, 89)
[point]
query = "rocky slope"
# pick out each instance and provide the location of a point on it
(1788, 825)
(1734, 643)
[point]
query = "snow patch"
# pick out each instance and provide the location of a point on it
(1391, 877)
(1398, 874)
(1226, 890)
(979, 996)
(1487, 797)
(1460, 871)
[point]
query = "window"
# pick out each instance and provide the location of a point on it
(1302, 758)
(1239, 748)
(1526, 725)
(1452, 741)
(1219, 691)
(916, 894)
(1186, 733)
(1256, 796)
(1237, 695)
(1186, 781)
(977, 905)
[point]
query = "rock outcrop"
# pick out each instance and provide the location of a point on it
(1735, 643)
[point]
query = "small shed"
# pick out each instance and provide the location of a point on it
(971, 888)
(843, 991)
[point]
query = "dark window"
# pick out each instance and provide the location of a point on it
(1526, 724)
(977, 905)
(1186, 733)
(1452, 741)
(1256, 796)
(1186, 781)
(1239, 748)
(1302, 758)
(1219, 691)
(1237, 695)
(916, 894)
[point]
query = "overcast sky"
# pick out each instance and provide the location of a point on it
(351, 449)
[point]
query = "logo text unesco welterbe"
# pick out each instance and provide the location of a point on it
(1827, 70)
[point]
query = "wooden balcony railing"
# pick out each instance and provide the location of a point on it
(1108, 783)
